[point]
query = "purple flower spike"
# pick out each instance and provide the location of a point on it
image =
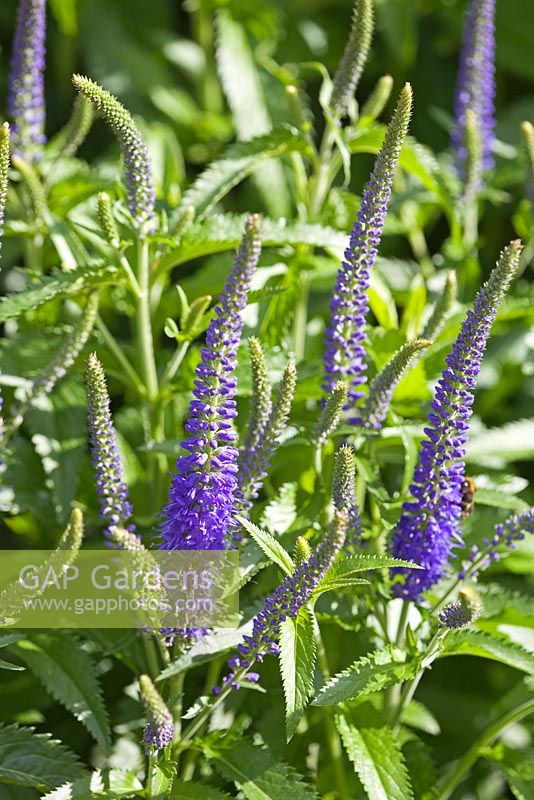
(344, 353)
(115, 507)
(159, 731)
(201, 497)
(429, 526)
(475, 88)
(285, 602)
(25, 101)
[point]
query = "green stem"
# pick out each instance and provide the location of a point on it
(144, 325)
(114, 348)
(174, 363)
(484, 740)
(410, 688)
(333, 740)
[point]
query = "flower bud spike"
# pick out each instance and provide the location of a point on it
(527, 132)
(254, 469)
(302, 551)
(260, 402)
(126, 539)
(112, 492)
(354, 57)
(159, 731)
(331, 413)
(343, 491)
(475, 89)
(466, 610)
(344, 352)
(442, 308)
(67, 141)
(473, 158)
(73, 536)
(377, 100)
(381, 389)
(4, 167)
(34, 187)
(506, 534)
(139, 179)
(25, 101)
(106, 220)
(202, 494)
(429, 526)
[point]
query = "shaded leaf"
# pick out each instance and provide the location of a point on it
(297, 665)
(484, 645)
(31, 759)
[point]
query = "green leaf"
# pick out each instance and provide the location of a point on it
(416, 715)
(9, 666)
(31, 759)
(206, 649)
(221, 232)
(368, 674)
(512, 442)
(58, 428)
(337, 584)
(377, 758)
(260, 776)
(107, 785)
(484, 645)
(382, 303)
(270, 546)
(182, 790)
(242, 86)
(58, 283)
(68, 674)
(362, 563)
(281, 512)
(297, 665)
(240, 160)
(518, 770)
(498, 499)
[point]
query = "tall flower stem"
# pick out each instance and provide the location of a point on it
(484, 740)
(133, 378)
(143, 322)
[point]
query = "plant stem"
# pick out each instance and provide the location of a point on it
(174, 363)
(484, 740)
(144, 326)
(111, 342)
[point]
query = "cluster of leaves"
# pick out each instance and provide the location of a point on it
(348, 668)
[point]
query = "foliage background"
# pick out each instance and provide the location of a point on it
(156, 57)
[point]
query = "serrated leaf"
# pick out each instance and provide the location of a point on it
(59, 283)
(512, 442)
(518, 770)
(484, 645)
(297, 665)
(68, 673)
(270, 546)
(240, 160)
(242, 86)
(58, 428)
(416, 715)
(182, 790)
(371, 673)
(206, 649)
(221, 232)
(107, 785)
(498, 499)
(377, 758)
(260, 776)
(362, 563)
(336, 584)
(31, 759)
(9, 666)
(281, 512)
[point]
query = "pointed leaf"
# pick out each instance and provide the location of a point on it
(482, 644)
(107, 785)
(31, 759)
(270, 546)
(297, 665)
(368, 674)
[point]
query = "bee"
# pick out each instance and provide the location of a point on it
(468, 494)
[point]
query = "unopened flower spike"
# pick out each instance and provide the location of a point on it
(126, 539)
(139, 179)
(345, 334)
(25, 100)
(473, 159)
(255, 467)
(377, 402)
(302, 551)
(260, 402)
(4, 167)
(506, 534)
(475, 89)
(377, 100)
(442, 308)
(201, 497)
(68, 139)
(343, 491)
(331, 413)
(354, 57)
(286, 600)
(33, 185)
(527, 131)
(466, 610)
(159, 731)
(429, 526)
(106, 220)
(115, 507)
